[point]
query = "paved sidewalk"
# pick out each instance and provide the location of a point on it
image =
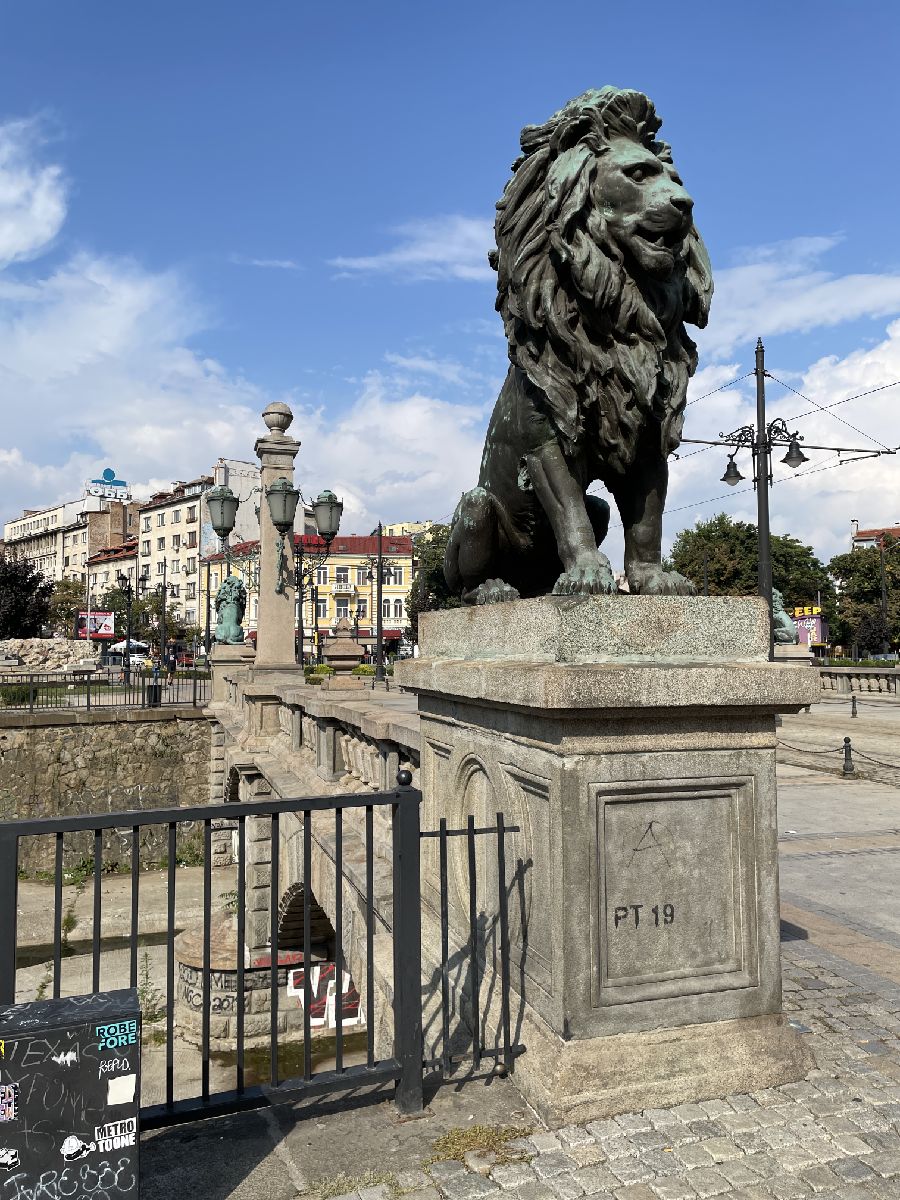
(835, 1135)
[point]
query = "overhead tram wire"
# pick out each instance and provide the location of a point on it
(821, 408)
(722, 388)
(743, 491)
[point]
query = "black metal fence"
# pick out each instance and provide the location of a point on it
(404, 1066)
(372, 842)
(109, 688)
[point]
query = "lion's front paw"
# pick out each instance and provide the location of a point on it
(652, 580)
(592, 579)
(493, 591)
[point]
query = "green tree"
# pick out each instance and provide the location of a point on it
(66, 602)
(24, 598)
(858, 579)
(730, 549)
(429, 588)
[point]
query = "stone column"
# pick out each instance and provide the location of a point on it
(277, 611)
(631, 741)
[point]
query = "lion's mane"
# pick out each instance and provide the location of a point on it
(593, 337)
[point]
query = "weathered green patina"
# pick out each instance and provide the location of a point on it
(599, 266)
(784, 631)
(231, 604)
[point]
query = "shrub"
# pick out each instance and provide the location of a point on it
(315, 679)
(363, 669)
(323, 669)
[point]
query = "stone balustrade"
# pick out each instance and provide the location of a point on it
(845, 680)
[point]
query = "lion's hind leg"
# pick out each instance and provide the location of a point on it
(471, 564)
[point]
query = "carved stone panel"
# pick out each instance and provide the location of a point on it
(676, 898)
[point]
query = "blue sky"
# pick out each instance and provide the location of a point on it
(206, 206)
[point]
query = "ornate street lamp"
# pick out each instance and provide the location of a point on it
(761, 439)
(223, 506)
(282, 498)
(327, 511)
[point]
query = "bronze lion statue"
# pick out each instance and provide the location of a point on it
(599, 266)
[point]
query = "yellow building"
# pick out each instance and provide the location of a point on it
(344, 586)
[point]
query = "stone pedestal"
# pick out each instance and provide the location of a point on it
(223, 658)
(631, 739)
(276, 620)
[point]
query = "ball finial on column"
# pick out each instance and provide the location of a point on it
(278, 418)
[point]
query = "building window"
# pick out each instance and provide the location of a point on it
(146, 525)
(175, 566)
(191, 542)
(176, 517)
(341, 575)
(190, 616)
(66, 561)
(176, 541)
(145, 547)
(174, 590)
(362, 576)
(191, 591)
(362, 608)
(84, 539)
(161, 543)
(192, 513)
(342, 609)
(160, 518)
(321, 575)
(393, 574)
(191, 565)
(386, 609)
(160, 568)
(322, 608)
(398, 610)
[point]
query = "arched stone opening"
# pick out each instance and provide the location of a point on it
(290, 924)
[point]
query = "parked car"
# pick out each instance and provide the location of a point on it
(185, 659)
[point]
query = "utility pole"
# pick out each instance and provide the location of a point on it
(379, 626)
(764, 569)
(885, 645)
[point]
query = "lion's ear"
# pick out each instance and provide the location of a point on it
(698, 281)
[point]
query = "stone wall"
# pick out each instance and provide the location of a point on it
(67, 763)
(45, 654)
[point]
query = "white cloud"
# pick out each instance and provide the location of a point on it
(274, 264)
(782, 289)
(32, 196)
(449, 247)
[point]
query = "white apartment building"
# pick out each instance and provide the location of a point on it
(58, 541)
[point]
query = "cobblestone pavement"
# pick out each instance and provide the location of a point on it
(834, 1135)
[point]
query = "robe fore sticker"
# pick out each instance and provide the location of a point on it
(117, 1034)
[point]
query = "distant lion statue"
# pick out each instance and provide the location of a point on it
(784, 631)
(231, 604)
(599, 266)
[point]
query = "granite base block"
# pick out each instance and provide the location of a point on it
(588, 1079)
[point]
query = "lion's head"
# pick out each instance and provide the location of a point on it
(598, 267)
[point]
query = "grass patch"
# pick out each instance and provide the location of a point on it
(341, 1184)
(456, 1143)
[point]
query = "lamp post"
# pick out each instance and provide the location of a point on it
(327, 511)
(127, 590)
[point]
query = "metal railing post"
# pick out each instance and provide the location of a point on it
(853, 712)
(31, 693)
(848, 767)
(407, 947)
(9, 895)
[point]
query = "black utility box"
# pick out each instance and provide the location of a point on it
(70, 1084)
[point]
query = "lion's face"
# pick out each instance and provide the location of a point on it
(646, 210)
